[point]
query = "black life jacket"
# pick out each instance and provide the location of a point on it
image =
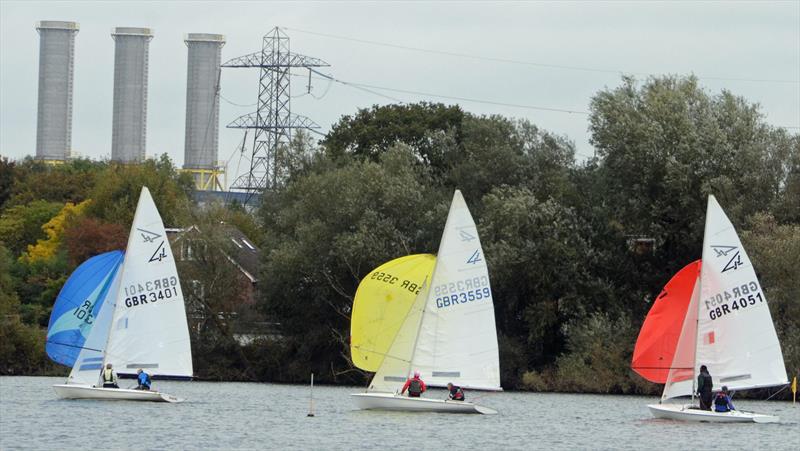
(708, 383)
(459, 394)
(415, 388)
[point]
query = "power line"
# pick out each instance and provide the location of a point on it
(528, 63)
(236, 104)
(370, 88)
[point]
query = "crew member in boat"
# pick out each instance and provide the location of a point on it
(109, 377)
(415, 386)
(722, 402)
(456, 393)
(143, 379)
(704, 385)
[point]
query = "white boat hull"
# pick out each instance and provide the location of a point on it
(70, 391)
(690, 413)
(391, 401)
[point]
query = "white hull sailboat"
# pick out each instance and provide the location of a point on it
(714, 313)
(693, 413)
(126, 310)
(391, 401)
(74, 391)
(429, 315)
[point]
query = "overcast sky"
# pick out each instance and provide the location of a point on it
(727, 44)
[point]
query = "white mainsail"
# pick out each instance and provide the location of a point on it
(149, 328)
(457, 338)
(736, 337)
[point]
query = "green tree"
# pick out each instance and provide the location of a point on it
(68, 182)
(324, 232)
(116, 193)
(371, 132)
(21, 225)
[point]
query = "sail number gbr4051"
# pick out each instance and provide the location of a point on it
(461, 292)
(729, 301)
(151, 291)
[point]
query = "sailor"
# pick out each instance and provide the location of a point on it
(456, 393)
(415, 386)
(704, 385)
(109, 377)
(143, 379)
(722, 402)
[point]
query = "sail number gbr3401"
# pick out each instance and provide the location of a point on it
(462, 292)
(729, 301)
(151, 291)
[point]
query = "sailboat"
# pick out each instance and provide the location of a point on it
(124, 309)
(447, 332)
(713, 312)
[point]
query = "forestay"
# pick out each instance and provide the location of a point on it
(457, 339)
(149, 328)
(75, 315)
(736, 336)
(382, 302)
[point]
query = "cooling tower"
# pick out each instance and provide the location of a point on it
(56, 66)
(202, 103)
(129, 121)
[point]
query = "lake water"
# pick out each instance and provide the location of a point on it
(269, 416)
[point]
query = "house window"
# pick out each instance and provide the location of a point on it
(237, 243)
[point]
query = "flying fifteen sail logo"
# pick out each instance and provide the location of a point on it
(475, 257)
(735, 260)
(465, 236)
(160, 253)
(148, 236)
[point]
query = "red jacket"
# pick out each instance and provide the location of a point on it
(408, 383)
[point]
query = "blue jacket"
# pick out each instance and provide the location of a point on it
(144, 379)
(723, 403)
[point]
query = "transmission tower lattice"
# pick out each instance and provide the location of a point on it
(273, 120)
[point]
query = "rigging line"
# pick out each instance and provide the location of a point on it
(528, 63)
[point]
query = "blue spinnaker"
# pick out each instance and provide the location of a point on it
(78, 304)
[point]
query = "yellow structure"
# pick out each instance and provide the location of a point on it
(208, 179)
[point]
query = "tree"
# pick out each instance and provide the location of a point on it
(46, 249)
(68, 182)
(21, 225)
(323, 233)
(116, 193)
(372, 132)
(85, 237)
(7, 168)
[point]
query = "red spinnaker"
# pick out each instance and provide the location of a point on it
(658, 338)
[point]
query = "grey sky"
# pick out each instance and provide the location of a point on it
(735, 40)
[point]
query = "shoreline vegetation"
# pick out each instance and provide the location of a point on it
(578, 246)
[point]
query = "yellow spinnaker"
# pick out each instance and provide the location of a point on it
(382, 302)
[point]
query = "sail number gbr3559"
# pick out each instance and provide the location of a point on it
(151, 291)
(735, 299)
(462, 292)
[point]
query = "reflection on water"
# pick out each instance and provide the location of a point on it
(268, 416)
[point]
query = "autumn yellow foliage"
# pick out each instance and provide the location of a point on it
(46, 249)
